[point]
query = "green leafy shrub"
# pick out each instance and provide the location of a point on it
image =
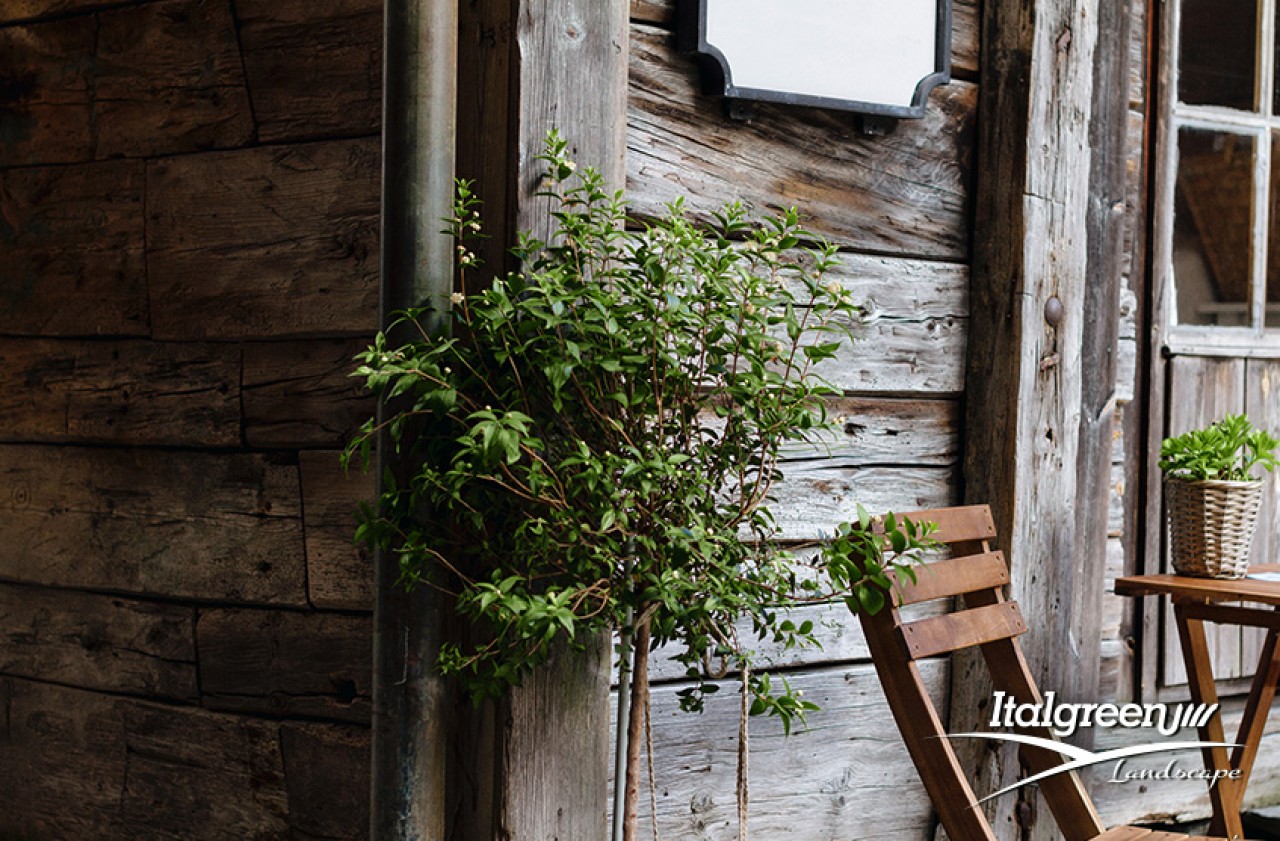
(599, 439)
(1228, 449)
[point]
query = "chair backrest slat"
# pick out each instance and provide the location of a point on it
(963, 629)
(952, 577)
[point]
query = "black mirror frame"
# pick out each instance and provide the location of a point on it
(717, 76)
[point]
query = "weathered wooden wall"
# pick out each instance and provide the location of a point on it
(899, 209)
(188, 261)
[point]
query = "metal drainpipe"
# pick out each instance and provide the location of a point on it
(418, 137)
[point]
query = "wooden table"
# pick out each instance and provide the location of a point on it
(1200, 600)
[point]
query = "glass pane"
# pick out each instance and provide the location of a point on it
(1211, 232)
(1219, 48)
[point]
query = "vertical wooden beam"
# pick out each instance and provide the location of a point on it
(537, 765)
(1027, 353)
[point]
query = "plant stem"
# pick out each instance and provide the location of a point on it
(635, 728)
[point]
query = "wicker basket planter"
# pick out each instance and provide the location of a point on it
(1211, 525)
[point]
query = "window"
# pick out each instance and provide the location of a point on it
(1222, 135)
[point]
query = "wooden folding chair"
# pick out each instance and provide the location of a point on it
(993, 623)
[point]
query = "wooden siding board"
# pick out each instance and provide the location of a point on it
(302, 394)
(119, 392)
(906, 193)
(285, 663)
(816, 497)
(885, 431)
(45, 107)
(15, 11)
(63, 753)
(168, 78)
(270, 242)
(816, 784)
(72, 239)
(158, 78)
(84, 765)
(339, 573)
(326, 766)
(98, 642)
(314, 70)
(183, 525)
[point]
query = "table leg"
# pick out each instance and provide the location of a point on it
(1261, 694)
(1225, 794)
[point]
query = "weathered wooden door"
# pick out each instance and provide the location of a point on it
(1216, 349)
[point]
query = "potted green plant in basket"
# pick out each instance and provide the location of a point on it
(1212, 496)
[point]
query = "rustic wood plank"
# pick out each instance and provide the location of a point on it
(339, 572)
(64, 756)
(813, 498)
(1024, 395)
(73, 244)
(119, 392)
(201, 776)
(285, 663)
(83, 765)
(314, 70)
(169, 79)
(818, 782)
(964, 31)
(302, 394)
(904, 194)
(269, 242)
(45, 107)
(885, 431)
(185, 525)
(139, 80)
(325, 765)
(23, 11)
(98, 642)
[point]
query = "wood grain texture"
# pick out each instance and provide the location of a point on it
(26, 10)
(285, 663)
(339, 572)
(83, 765)
(1024, 388)
(265, 243)
(119, 392)
(302, 394)
(885, 431)
(72, 239)
(326, 765)
(813, 497)
(964, 31)
(817, 784)
(184, 525)
(132, 81)
(98, 642)
(45, 110)
(169, 79)
(314, 70)
(905, 194)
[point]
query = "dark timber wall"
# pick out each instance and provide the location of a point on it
(188, 261)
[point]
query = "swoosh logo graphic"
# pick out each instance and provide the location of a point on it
(1080, 757)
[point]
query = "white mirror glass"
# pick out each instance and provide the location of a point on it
(874, 51)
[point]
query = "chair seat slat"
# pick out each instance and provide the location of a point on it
(954, 631)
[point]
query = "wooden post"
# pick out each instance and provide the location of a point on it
(1031, 427)
(536, 767)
